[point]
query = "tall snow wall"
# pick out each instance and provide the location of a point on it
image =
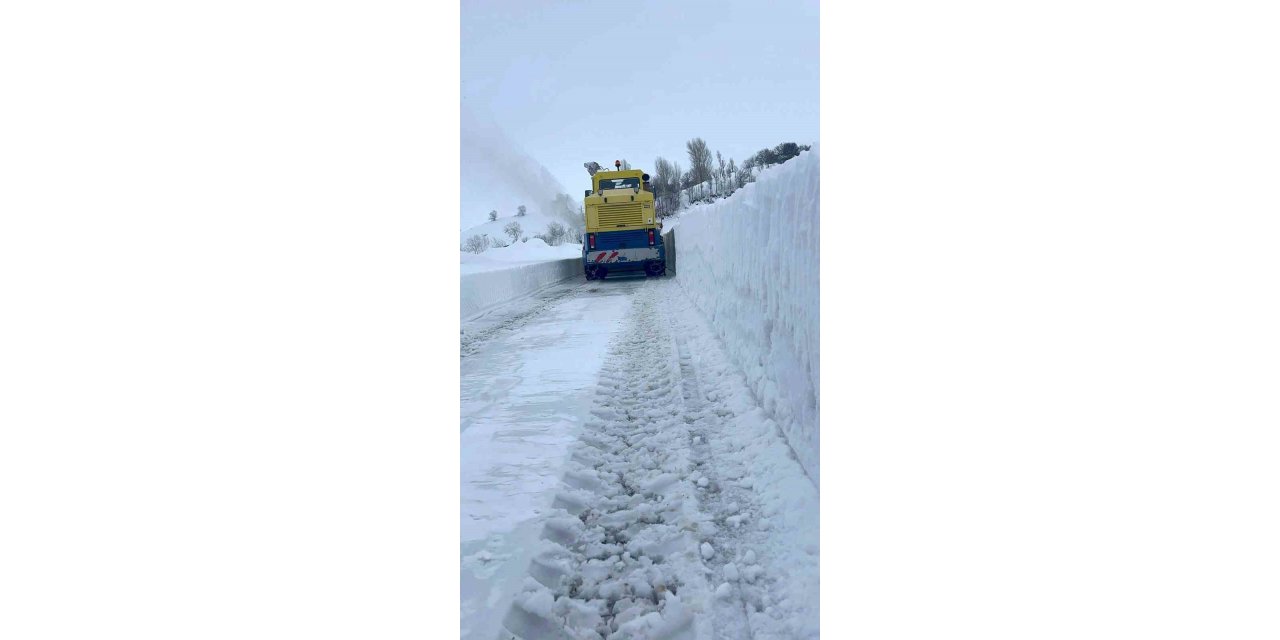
(750, 263)
(486, 289)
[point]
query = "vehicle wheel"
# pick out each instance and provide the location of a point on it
(654, 268)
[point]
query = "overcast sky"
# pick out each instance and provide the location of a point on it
(573, 81)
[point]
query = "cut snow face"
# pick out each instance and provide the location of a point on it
(501, 275)
(751, 262)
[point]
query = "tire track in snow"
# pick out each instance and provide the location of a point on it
(620, 560)
(731, 611)
(662, 531)
(738, 565)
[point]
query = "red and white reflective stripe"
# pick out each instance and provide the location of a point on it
(601, 256)
(613, 256)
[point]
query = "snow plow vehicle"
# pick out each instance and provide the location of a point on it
(623, 233)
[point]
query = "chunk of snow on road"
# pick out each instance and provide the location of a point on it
(539, 602)
(731, 572)
(707, 551)
(661, 482)
(724, 591)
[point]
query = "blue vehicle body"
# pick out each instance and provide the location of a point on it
(619, 252)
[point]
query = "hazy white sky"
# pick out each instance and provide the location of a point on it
(573, 81)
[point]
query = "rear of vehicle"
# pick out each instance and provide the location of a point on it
(622, 231)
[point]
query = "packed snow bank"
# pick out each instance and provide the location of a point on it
(486, 289)
(487, 282)
(750, 262)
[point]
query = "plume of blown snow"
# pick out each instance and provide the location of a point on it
(497, 174)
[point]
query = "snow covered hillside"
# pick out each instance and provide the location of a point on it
(750, 262)
(531, 224)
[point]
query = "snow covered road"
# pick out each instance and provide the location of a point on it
(619, 480)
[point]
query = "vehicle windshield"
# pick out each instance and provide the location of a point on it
(619, 183)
